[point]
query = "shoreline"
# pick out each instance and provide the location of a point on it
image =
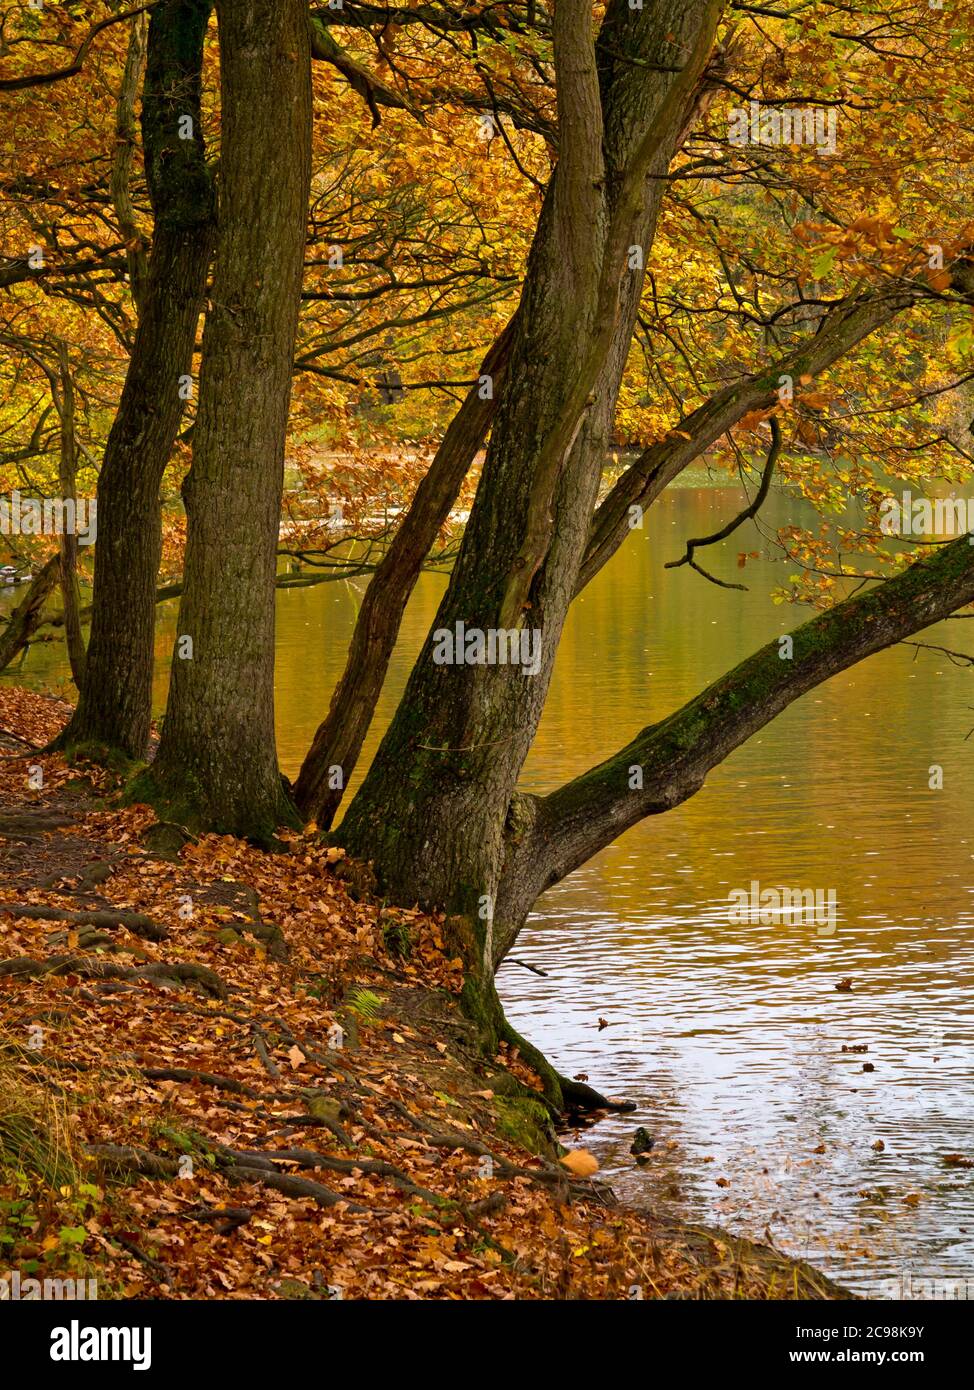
(259, 1078)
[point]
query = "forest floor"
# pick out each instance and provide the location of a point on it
(231, 1074)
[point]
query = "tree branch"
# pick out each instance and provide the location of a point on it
(495, 20)
(841, 329)
(373, 92)
(553, 835)
(749, 511)
(44, 79)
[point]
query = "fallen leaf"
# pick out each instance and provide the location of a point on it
(581, 1163)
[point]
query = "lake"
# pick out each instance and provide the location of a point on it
(732, 1038)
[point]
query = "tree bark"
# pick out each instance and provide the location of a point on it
(125, 145)
(432, 810)
(114, 708)
(331, 760)
(217, 759)
(28, 615)
(67, 475)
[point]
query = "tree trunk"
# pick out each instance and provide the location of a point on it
(27, 616)
(217, 760)
(125, 146)
(67, 474)
(333, 755)
(431, 813)
(114, 708)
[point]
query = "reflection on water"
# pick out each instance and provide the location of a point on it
(731, 1037)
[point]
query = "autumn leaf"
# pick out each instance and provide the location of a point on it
(580, 1162)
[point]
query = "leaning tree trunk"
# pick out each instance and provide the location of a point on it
(334, 753)
(114, 707)
(338, 741)
(27, 617)
(432, 812)
(217, 758)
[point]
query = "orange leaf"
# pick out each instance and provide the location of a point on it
(581, 1163)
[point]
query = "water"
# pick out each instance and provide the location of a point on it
(730, 1037)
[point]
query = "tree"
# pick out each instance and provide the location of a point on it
(439, 814)
(217, 752)
(338, 740)
(114, 708)
(680, 292)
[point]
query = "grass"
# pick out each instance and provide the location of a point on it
(35, 1136)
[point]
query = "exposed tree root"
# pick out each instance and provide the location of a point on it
(561, 1094)
(580, 1097)
(170, 972)
(105, 918)
(224, 1220)
(203, 1078)
(120, 1159)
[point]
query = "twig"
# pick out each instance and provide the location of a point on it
(225, 1220)
(512, 960)
(746, 515)
(260, 1046)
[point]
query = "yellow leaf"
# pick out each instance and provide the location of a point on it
(581, 1163)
